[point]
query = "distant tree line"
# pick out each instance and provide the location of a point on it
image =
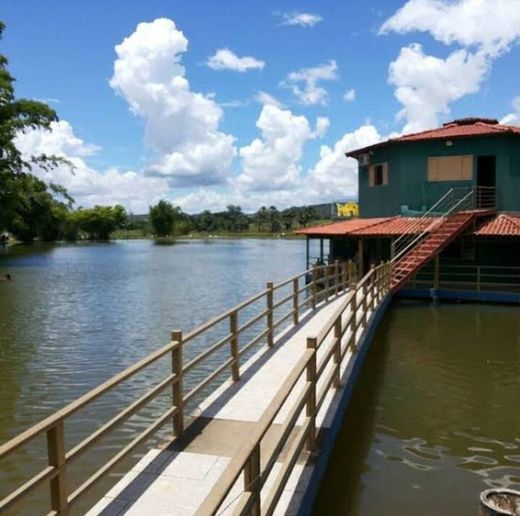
(165, 219)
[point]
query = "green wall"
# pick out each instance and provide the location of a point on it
(407, 168)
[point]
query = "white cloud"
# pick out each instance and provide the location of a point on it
(181, 126)
(425, 85)
(491, 25)
(86, 185)
(267, 99)
(514, 117)
(301, 19)
(334, 177)
(272, 161)
(349, 95)
(225, 59)
(311, 93)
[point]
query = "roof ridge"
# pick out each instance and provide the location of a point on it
(510, 219)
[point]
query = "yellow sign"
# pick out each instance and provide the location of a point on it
(348, 209)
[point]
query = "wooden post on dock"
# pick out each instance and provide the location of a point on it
(233, 329)
(327, 281)
(56, 455)
(310, 407)
(296, 307)
(252, 480)
(314, 287)
(344, 276)
(353, 320)
(337, 352)
(178, 418)
(336, 277)
(270, 303)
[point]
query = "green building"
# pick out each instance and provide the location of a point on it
(443, 204)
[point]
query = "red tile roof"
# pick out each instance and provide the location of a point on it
(502, 225)
(462, 128)
(398, 226)
(345, 227)
(382, 226)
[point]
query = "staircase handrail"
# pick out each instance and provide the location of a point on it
(418, 224)
(417, 238)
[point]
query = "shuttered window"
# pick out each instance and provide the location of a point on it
(378, 174)
(450, 168)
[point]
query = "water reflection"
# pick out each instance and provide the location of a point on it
(435, 417)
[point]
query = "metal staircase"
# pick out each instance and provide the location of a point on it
(448, 218)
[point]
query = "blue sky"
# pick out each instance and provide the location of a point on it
(64, 53)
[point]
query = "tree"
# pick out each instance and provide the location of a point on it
(99, 222)
(162, 218)
(306, 214)
(24, 200)
(288, 218)
(237, 220)
(274, 219)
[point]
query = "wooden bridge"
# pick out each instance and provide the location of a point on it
(251, 440)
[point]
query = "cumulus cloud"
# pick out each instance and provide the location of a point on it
(425, 85)
(272, 161)
(334, 176)
(514, 117)
(87, 185)
(311, 93)
(301, 19)
(349, 95)
(181, 126)
(490, 25)
(225, 59)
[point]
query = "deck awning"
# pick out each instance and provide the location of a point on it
(501, 225)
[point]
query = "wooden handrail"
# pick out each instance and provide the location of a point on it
(60, 459)
(373, 287)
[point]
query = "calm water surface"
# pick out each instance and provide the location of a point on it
(74, 315)
(435, 417)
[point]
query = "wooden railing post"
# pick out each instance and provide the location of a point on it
(353, 320)
(296, 304)
(56, 455)
(336, 277)
(327, 281)
(337, 352)
(344, 276)
(270, 292)
(310, 407)
(365, 303)
(252, 480)
(314, 288)
(177, 400)
(233, 329)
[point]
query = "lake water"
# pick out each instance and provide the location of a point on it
(74, 315)
(435, 417)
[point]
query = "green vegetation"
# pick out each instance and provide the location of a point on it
(163, 217)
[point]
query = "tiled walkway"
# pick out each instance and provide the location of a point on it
(176, 481)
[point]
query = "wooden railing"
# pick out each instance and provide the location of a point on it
(495, 278)
(303, 296)
(301, 397)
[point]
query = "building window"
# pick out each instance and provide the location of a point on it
(378, 174)
(450, 168)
